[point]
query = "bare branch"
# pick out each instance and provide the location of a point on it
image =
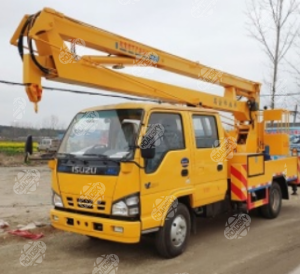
(260, 37)
(273, 12)
(293, 67)
(276, 42)
(287, 44)
(293, 7)
(263, 41)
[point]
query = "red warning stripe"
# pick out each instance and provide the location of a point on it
(238, 192)
(238, 175)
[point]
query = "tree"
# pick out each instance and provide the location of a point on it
(61, 126)
(274, 24)
(46, 122)
(50, 122)
(294, 63)
(53, 121)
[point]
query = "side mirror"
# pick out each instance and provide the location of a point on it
(28, 145)
(29, 151)
(147, 152)
(28, 148)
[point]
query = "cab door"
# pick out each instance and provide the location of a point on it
(169, 170)
(209, 169)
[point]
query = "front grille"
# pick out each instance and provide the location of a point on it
(70, 201)
(100, 205)
(86, 203)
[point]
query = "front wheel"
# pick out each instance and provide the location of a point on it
(171, 240)
(272, 209)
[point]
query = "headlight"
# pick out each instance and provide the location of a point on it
(120, 209)
(133, 200)
(57, 201)
(128, 206)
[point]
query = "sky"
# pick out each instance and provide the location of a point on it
(211, 32)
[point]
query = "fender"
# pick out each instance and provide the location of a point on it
(187, 191)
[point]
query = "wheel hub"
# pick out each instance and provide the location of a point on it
(178, 231)
(275, 199)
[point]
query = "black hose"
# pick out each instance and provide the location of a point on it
(20, 40)
(43, 69)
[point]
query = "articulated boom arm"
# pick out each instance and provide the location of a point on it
(54, 61)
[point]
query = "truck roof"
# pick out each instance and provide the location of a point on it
(149, 106)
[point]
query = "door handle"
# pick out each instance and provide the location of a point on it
(220, 167)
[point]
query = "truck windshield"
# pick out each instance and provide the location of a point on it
(104, 133)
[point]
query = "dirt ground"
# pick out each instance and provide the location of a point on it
(17, 160)
(271, 246)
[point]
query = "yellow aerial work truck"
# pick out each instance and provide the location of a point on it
(126, 170)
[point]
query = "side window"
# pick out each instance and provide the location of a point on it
(165, 133)
(198, 128)
(205, 129)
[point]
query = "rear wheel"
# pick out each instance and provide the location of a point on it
(272, 209)
(171, 240)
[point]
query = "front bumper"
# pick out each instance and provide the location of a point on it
(97, 227)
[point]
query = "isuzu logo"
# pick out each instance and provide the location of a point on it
(80, 169)
(84, 170)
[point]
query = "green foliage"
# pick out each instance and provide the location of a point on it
(13, 148)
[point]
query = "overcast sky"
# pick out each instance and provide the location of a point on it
(211, 32)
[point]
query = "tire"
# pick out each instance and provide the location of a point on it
(171, 240)
(272, 209)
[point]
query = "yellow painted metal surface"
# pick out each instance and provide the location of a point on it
(256, 165)
(50, 20)
(54, 181)
(131, 233)
(273, 114)
(258, 203)
(286, 166)
(279, 143)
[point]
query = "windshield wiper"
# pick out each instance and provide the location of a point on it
(106, 158)
(103, 157)
(68, 156)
